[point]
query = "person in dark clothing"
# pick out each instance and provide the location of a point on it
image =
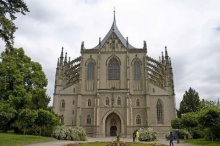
(177, 135)
(134, 136)
(171, 139)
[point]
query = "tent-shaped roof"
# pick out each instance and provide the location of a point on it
(114, 29)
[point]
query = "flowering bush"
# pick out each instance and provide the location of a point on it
(69, 133)
(147, 134)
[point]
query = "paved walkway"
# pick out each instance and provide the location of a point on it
(90, 139)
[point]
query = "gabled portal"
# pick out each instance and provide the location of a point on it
(112, 125)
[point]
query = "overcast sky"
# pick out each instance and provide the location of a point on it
(189, 28)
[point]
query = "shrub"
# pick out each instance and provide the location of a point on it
(182, 133)
(208, 135)
(69, 133)
(197, 132)
(147, 134)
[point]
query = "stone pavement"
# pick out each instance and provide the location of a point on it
(107, 139)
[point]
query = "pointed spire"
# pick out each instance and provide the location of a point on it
(145, 46)
(65, 60)
(82, 45)
(114, 20)
(166, 54)
(61, 58)
(170, 62)
(114, 16)
(61, 55)
(99, 41)
(162, 57)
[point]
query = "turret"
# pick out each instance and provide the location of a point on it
(65, 60)
(61, 58)
(99, 43)
(82, 45)
(127, 42)
(145, 46)
(166, 56)
(57, 69)
(162, 58)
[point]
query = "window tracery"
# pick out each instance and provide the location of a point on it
(159, 112)
(138, 119)
(113, 69)
(137, 70)
(90, 71)
(88, 120)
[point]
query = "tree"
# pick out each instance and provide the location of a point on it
(8, 9)
(190, 102)
(22, 81)
(189, 120)
(46, 119)
(209, 103)
(176, 123)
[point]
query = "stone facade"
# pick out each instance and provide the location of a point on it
(115, 88)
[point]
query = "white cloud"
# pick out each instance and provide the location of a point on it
(190, 29)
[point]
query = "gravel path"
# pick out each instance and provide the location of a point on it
(90, 139)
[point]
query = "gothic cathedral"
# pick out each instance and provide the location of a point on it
(115, 88)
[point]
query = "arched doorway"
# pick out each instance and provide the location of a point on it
(112, 125)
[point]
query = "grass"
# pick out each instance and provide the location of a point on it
(10, 139)
(202, 142)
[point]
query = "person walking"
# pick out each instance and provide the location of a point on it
(171, 139)
(177, 135)
(137, 135)
(134, 136)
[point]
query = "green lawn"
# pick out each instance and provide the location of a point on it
(10, 139)
(202, 142)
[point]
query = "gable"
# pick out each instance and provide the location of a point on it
(113, 43)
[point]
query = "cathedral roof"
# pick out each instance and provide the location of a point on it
(114, 29)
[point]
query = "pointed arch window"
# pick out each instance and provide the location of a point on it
(138, 119)
(62, 104)
(119, 101)
(159, 112)
(89, 102)
(88, 120)
(90, 71)
(107, 101)
(113, 69)
(137, 102)
(137, 70)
